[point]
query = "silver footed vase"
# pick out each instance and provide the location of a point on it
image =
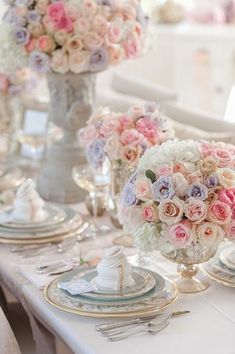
(71, 104)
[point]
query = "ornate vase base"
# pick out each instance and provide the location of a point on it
(56, 183)
(190, 280)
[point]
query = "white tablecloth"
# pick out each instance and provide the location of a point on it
(209, 328)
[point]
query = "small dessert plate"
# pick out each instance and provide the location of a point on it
(227, 257)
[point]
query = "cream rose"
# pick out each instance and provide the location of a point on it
(61, 37)
(74, 43)
(36, 29)
(59, 61)
(79, 62)
(180, 184)
(41, 6)
(93, 40)
(209, 164)
(226, 177)
(171, 211)
(210, 234)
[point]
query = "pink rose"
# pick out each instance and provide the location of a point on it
(210, 234)
(87, 135)
(46, 44)
(126, 122)
(196, 210)
(171, 211)
(114, 34)
(131, 154)
(109, 127)
(219, 213)
(64, 23)
(56, 10)
(227, 196)
(4, 83)
(230, 230)
(130, 136)
(233, 211)
(148, 128)
(93, 40)
(164, 170)
(180, 235)
(82, 25)
(31, 45)
(143, 188)
(150, 213)
(224, 156)
(132, 48)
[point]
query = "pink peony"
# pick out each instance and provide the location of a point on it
(148, 128)
(180, 235)
(227, 196)
(219, 213)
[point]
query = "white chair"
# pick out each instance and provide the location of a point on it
(146, 90)
(8, 343)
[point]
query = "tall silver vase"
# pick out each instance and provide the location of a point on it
(72, 97)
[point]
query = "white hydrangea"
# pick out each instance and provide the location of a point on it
(12, 55)
(169, 152)
(146, 237)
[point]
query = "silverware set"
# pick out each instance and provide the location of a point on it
(117, 331)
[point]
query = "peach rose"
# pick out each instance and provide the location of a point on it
(36, 29)
(74, 43)
(210, 234)
(59, 61)
(226, 177)
(143, 188)
(79, 61)
(180, 235)
(46, 44)
(131, 154)
(212, 196)
(171, 211)
(219, 212)
(129, 12)
(209, 164)
(116, 55)
(195, 210)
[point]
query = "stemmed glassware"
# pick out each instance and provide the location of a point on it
(95, 182)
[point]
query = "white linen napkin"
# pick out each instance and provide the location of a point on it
(77, 287)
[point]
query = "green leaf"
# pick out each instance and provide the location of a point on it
(151, 175)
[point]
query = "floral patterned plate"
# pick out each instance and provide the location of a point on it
(147, 304)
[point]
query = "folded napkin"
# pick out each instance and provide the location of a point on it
(77, 287)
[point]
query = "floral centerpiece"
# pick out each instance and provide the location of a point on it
(71, 40)
(179, 201)
(76, 36)
(122, 138)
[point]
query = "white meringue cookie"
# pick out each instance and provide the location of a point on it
(28, 206)
(114, 272)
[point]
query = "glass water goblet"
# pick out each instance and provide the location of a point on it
(94, 182)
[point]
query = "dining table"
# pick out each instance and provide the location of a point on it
(208, 328)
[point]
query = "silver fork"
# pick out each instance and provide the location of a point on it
(153, 330)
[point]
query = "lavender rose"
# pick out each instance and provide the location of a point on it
(95, 153)
(163, 188)
(212, 181)
(40, 62)
(22, 35)
(198, 190)
(33, 16)
(99, 60)
(128, 197)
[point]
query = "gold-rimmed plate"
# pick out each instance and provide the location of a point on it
(145, 306)
(219, 272)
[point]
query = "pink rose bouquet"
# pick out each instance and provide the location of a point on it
(184, 194)
(77, 36)
(124, 137)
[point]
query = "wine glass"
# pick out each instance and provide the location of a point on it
(95, 182)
